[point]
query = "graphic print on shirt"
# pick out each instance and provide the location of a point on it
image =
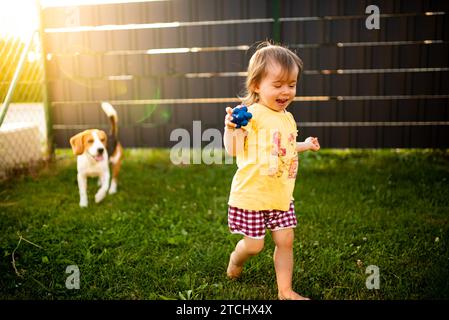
(293, 166)
(279, 161)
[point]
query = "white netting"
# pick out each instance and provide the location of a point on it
(22, 137)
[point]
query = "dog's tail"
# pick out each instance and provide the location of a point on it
(112, 115)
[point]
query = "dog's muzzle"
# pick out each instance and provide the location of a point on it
(99, 156)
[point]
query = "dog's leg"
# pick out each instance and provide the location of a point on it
(101, 193)
(116, 164)
(113, 188)
(82, 186)
(115, 171)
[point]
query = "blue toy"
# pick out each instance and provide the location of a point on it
(241, 116)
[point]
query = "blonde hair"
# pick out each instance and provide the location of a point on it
(267, 53)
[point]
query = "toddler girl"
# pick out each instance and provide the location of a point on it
(267, 160)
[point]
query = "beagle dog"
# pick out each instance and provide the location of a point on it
(95, 150)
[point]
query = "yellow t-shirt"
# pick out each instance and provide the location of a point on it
(268, 163)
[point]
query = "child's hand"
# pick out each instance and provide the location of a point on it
(312, 143)
(228, 118)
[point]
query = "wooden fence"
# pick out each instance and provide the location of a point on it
(165, 64)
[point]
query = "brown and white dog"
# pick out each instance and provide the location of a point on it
(95, 150)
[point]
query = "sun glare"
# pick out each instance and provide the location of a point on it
(57, 3)
(18, 18)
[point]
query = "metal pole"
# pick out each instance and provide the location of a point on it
(45, 99)
(277, 23)
(15, 79)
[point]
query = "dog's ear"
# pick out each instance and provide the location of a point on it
(77, 143)
(103, 137)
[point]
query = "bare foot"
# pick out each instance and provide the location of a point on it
(234, 270)
(291, 296)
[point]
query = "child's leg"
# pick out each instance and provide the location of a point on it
(244, 249)
(283, 263)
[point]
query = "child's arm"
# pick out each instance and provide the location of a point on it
(309, 144)
(233, 138)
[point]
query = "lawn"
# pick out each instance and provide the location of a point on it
(164, 235)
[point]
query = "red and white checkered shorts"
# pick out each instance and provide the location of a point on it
(252, 223)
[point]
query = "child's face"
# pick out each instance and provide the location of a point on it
(277, 89)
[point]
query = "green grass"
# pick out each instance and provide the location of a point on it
(164, 235)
